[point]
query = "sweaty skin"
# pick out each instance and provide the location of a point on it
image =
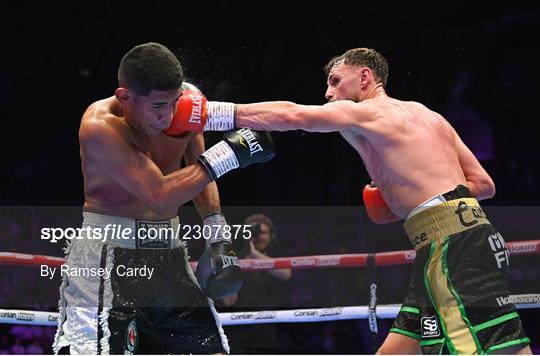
(411, 152)
(132, 169)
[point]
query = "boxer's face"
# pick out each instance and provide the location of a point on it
(343, 83)
(153, 112)
(261, 243)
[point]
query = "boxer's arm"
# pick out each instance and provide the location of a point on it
(478, 180)
(207, 201)
(108, 150)
(285, 116)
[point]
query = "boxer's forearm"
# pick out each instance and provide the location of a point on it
(179, 187)
(269, 116)
(286, 115)
(207, 201)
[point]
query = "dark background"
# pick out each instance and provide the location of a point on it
(477, 64)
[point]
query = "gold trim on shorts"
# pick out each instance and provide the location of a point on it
(445, 219)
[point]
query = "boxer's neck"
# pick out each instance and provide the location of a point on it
(375, 92)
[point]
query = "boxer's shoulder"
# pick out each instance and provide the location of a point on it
(101, 108)
(397, 114)
(102, 121)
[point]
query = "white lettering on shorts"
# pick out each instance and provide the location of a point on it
(496, 242)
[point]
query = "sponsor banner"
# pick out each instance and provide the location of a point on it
(522, 247)
(28, 317)
(389, 311)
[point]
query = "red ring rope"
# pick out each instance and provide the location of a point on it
(298, 262)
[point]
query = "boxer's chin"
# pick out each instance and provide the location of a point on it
(153, 131)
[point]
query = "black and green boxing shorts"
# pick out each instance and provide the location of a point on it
(458, 300)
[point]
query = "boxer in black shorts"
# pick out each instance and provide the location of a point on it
(411, 153)
(458, 300)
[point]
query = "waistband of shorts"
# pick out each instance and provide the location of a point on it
(125, 232)
(446, 219)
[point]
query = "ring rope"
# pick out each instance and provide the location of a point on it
(313, 315)
(299, 262)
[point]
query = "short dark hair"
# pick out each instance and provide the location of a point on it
(362, 57)
(150, 66)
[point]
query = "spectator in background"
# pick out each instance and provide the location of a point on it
(261, 291)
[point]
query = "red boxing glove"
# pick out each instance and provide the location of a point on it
(376, 208)
(190, 114)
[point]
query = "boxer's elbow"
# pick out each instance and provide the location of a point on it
(482, 187)
(489, 188)
(486, 187)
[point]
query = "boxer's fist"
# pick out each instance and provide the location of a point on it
(218, 270)
(238, 149)
(376, 208)
(191, 114)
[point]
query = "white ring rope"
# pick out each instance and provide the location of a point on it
(315, 315)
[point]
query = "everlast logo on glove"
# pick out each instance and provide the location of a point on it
(197, 110)
(229, 261)
(238, 149)
(254, 145)
(218, 271)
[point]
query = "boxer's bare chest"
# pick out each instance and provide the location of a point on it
(106, 196)
(165, 152)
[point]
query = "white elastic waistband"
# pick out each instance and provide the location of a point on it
(433, 201)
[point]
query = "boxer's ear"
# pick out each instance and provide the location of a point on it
(122, 94)
(364, 76)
